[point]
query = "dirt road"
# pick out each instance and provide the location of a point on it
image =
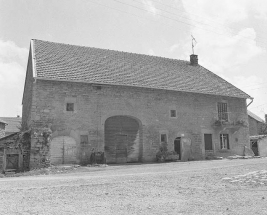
(167, 188)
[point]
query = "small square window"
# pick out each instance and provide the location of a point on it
(173, 113)
(70, 107)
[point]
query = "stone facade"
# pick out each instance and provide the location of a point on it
(45, 103)
(254, 126)
(27, 95)
(2, 129)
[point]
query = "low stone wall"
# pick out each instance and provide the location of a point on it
(40, 144)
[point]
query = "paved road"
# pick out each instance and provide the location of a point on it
(167, 188)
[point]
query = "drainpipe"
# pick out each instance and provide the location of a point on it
(250, 101)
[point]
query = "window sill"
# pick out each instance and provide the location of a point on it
(224, 150)
(70, 112)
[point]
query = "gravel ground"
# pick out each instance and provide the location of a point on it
(199, 187)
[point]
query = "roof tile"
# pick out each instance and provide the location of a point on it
(58, 61)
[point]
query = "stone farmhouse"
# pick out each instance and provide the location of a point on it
(80, 99)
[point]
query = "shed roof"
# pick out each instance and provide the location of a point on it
(258, 137)
(56, 61)
(2, 121)
(13, 124)
(254, 116)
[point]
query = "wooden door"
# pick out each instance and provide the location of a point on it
(121, 148)
(122, 139)
(63, 150)
(254, 147)
(208, 142)
(177, 146)
(12, 161)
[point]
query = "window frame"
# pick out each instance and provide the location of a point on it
(221, 113)
(84, 143)
(224, 145)
(69, 100)
(68, 105)
(175, 113)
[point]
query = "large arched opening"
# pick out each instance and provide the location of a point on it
(122, 139)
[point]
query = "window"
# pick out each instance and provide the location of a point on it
(70, 107)
(224, 140)
(84, 140)
(173, 113)
(222, 111)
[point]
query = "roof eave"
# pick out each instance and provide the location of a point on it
(34, 73)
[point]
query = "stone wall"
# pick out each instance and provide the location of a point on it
(2, 130)
(255, 127)
(27, 95)
(39, 152)
(93, 105)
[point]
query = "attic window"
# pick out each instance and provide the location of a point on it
(97, 87)
(70, 107)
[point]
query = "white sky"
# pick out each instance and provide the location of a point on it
(230, 34)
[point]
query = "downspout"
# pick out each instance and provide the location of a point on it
(250, 101)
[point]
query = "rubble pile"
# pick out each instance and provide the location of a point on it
(251, 178)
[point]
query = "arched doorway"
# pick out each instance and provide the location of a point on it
(63, 150)
(177, 147)
(122, 139)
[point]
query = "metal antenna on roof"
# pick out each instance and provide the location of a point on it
(193, 45)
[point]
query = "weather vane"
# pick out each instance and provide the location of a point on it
(194, 42)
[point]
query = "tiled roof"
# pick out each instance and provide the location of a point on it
(2, 121)
(8, 136)
(58, 61)
(257, 137)
(12, 124)
(254, 116)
